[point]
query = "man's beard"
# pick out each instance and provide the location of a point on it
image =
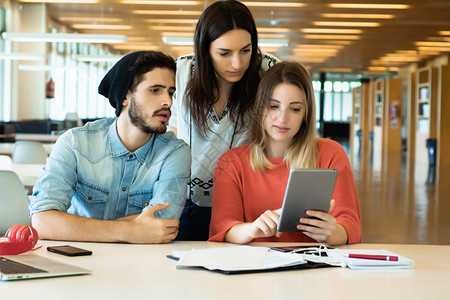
(138, 120)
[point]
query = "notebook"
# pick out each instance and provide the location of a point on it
(14, 267)
(241, 260)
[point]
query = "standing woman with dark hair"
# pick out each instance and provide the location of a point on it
(216, 89)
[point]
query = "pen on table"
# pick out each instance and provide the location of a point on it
(376, 257)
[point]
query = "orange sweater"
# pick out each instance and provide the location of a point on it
(241, 195)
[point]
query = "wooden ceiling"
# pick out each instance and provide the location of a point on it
(400, 37)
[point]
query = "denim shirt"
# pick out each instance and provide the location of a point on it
(90, 173)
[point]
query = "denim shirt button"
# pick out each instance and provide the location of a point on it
(130, 156)
(146, 204)
(90, 197)
(124, 189)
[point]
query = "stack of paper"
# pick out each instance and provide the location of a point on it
(342, 255)
(237, 258)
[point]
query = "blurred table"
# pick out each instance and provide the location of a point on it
(36, 137)
(8, 148)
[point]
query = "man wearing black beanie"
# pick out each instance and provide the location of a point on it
(120, 179)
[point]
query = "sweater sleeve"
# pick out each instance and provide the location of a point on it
(347, 210)
(227, 204)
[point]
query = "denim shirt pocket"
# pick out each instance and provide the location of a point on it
(138, 200)
(94, 198)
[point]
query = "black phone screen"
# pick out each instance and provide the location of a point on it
(69, 250)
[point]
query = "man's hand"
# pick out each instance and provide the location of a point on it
(146, 228)
(143, 228)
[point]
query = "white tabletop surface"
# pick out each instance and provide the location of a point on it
(37, 137)
(8, 148)
(125, 271)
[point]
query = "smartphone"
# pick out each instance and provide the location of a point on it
(69, 250)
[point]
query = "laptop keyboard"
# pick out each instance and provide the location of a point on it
(8, 266)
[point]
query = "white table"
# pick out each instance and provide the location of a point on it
(37, 137)
(8, 148)
(124, 271)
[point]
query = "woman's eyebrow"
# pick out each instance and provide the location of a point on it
(224, 49)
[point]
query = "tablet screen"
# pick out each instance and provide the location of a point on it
(307, 189)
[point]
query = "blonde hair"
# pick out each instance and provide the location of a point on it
(303, 152)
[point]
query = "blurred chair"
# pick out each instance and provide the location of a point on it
(72, 120)
(13, 201)
(5, 162)
(26, 152)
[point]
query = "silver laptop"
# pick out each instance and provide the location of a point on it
(14, 267)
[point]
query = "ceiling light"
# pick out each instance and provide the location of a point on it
(369, 6)
(184, 34)
(172, 28)
(443, 49)
(130, 47)
(174, 21)
(271, 35)
(337, 70)
(101, 26)
(64, 37)
(312, 46)
(21, 56)
(272, 29)
(330, 30)
(347, 24)
(433, 44)
(275, 4)
(331, 37)
(358, 16)
(161, 2)
(59, 1)
(179, 12)
(372, 68)
(97, 58)
(444, 32)
(90, 19)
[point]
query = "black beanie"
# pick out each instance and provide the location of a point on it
(117, 81)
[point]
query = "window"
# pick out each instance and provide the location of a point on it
(76, 83)
(338, 101)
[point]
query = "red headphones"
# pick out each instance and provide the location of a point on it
(18, 239)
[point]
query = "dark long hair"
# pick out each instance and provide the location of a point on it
(219, 18)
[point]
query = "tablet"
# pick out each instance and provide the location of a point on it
(307, 189)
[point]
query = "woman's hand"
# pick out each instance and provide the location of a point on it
(265, 225)
(324, 228)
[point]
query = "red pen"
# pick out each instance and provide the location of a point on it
(377, 257)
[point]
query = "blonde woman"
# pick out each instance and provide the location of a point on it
(250, 180)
